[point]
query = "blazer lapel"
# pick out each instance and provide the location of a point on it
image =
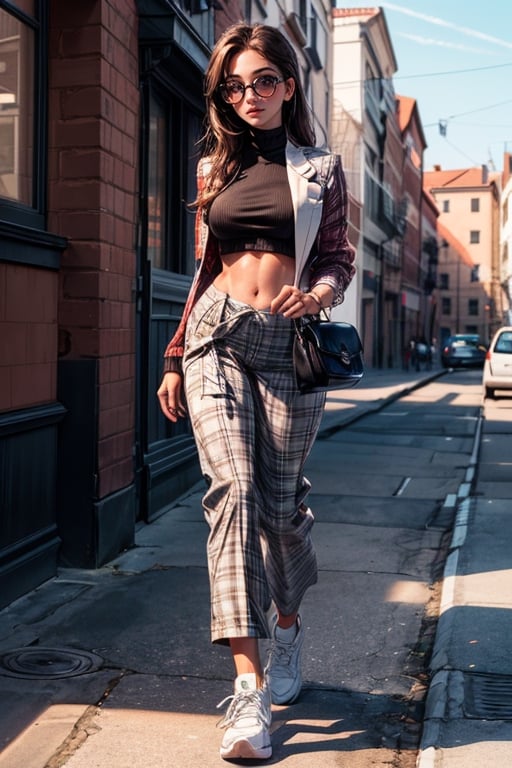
(307, 205)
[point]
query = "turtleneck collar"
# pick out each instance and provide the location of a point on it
(270, 143)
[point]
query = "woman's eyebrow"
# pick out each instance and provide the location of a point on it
(255, 73)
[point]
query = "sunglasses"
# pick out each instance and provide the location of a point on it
(233, 91)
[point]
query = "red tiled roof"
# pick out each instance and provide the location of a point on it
(465, 177)
(346, 12)
(407, 105)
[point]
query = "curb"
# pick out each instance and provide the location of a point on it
(327, 432)
(445, 694)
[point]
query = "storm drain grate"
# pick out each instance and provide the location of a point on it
(48, 663)
(488, 697)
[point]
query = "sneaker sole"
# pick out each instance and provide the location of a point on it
(244, 749)
(289, 698)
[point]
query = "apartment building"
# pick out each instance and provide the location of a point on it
(506, 235)
(469, 204)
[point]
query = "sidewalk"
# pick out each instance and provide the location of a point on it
(468, 719)
(150, 682)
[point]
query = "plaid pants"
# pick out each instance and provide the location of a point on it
(253, 431)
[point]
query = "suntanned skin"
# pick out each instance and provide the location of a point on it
(254, 277)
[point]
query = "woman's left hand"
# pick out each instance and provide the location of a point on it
(292, 302)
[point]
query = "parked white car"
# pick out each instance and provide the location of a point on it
(498, 362)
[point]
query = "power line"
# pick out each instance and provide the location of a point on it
(452, 72)
(472, 112)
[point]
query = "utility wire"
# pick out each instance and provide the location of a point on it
(472, 112)
(452, 72)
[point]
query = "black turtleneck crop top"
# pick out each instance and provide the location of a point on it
(254, 212)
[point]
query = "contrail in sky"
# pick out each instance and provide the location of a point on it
(444, 44)
(448, 24)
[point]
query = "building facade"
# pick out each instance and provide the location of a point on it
(469, 206)
(461, 299)
(367, 133)
(506, 235)
(414, 311)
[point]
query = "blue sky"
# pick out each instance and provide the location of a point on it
(455, 58)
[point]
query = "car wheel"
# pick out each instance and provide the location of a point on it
(489, 392)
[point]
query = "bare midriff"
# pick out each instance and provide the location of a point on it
(255, 277)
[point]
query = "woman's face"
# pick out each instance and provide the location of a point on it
(264, 112)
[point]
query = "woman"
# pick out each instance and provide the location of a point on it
(271, 241)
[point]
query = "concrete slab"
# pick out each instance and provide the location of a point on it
(371, 511)
(42, 738)
(385, 549)
(325, 724)
(25, 702)
(470, 744)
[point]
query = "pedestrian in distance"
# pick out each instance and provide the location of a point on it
(271, 246)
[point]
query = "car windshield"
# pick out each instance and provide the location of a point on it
(504, 343)
(471, 342)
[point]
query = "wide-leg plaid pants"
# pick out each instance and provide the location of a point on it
(254, 432)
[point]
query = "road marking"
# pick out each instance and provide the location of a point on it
(403, 485)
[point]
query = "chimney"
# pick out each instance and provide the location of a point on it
(437, 167)
(485, 174)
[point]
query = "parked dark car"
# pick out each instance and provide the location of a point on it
(463, 349)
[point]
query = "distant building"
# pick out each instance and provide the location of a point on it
(505, 258)
(365, 131)
(412, 288)
(461, 299)
(469, 204)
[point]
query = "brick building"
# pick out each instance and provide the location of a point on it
(101, 107)
(102, 104)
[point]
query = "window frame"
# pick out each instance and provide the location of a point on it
(177, 111)
(14, 212)
(444, 281)
(473, 307)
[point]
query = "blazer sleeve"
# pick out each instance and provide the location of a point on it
(173, 354)
(333, 255)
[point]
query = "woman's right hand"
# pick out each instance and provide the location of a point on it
(171, 397)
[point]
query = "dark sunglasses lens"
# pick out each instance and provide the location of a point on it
(265, 85)
(232, 92)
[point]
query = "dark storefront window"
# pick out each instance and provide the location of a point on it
(157, 165)
(171, 183)
(22, 81)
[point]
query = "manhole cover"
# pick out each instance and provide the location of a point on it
(48, 663)
(488, 697)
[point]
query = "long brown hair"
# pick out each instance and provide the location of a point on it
(224, 136)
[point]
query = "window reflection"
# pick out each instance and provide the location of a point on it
(157, 163)
(16, 109)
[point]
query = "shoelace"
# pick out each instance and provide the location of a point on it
(282, 653)
(247, 703)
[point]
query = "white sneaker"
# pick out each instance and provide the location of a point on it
(284, 666)
(247, 721)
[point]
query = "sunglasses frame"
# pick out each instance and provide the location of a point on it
(223, 86)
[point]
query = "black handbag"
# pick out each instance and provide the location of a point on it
(326, 354)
